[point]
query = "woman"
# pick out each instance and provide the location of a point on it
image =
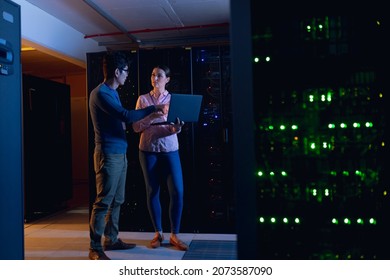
(159, 159)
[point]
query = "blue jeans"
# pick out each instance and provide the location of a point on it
(110, 170)
(167, 167)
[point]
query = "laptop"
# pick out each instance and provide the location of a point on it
(186, 107)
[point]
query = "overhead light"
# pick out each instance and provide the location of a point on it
(25, 49)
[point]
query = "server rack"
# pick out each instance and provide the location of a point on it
(11, 152)
(321, 186)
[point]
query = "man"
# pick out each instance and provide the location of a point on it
(110, 162)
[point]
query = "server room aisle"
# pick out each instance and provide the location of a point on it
(64, 236)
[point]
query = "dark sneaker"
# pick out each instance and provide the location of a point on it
(119, 245)
(97, 255)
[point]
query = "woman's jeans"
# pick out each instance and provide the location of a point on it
(167, 167)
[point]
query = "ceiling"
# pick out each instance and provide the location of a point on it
(41, 64)
(133, 24)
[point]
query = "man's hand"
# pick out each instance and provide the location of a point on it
(163, 108)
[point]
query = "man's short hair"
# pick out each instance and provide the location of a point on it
(112, 61)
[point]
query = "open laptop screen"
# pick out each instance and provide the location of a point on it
(186, 107)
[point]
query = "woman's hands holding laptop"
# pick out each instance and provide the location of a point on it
(177, 125)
